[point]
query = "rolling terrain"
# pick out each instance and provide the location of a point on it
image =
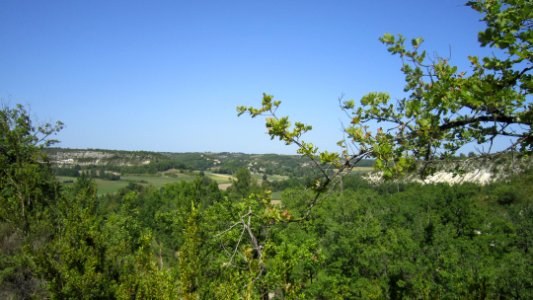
(115, 169)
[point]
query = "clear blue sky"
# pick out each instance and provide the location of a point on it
(167, 75)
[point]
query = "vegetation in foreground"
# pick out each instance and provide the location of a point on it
(187, 240)
(190, 240)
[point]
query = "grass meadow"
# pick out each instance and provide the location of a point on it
(157, 180)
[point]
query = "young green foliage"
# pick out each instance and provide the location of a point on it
(445, 109)
(330, 165)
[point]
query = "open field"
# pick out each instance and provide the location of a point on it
(219, 178)
(362, 169)
(276, 195)
(274, 177)
(104, 186)
(156, 180)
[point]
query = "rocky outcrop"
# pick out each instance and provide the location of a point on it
(479, 170)
(68, 158)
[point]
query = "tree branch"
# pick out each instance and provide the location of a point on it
(485, 118)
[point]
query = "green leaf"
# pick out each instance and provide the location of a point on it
(387, 38)
(416, 42)
(350, 104)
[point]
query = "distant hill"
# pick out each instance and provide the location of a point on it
(151, 162)
(467, 169)
(98, 157)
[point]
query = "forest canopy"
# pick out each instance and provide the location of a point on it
(393, 240)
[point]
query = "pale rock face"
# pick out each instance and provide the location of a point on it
(481, 177)
(479, 172)
(91, 157)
